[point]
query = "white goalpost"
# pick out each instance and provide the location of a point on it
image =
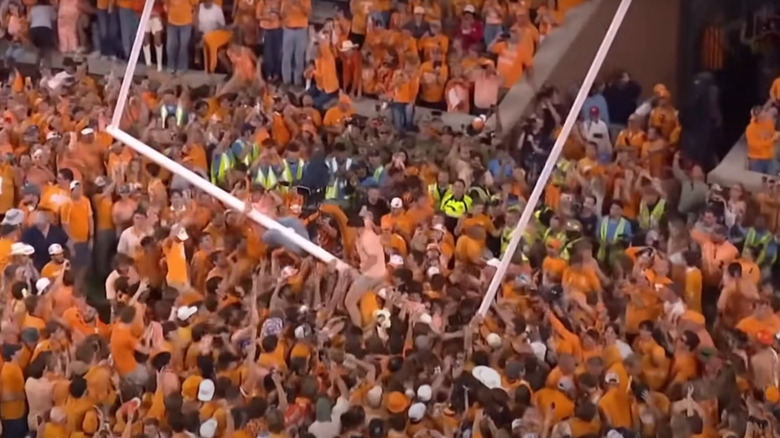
(190, 176)
(555, 153)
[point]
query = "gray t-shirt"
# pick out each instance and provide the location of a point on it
(332, 428)
(42, 16)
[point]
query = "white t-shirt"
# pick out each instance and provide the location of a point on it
(332, 428)
(210, 19)
(130, 241)
(597, 132)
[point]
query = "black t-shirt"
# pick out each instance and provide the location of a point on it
(377, 209)
(589, 224)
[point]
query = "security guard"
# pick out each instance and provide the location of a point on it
(244, 148)
(338, 167)
(264, 173)
(440, 189)
(292, 165)
(555, 231)
(612, 228)
(455, 204)
(759, 239)
(221, 163)
(573, 237)
(652, 209)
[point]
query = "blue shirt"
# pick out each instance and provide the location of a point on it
(612, 226)
(599, 102)
(33, 237)
(494, 167)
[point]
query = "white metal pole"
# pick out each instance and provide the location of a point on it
(132, 60)
(536, 194)
(226, 198)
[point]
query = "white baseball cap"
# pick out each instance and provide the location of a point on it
(425, 318)
(42, 284)
(206, 390)
(396, 203)
(208, 429)
(184, 313)
(20, 248)
(374, 396)
(52, 135)
(55, 248)
(182, 234)
(416, 411)
(470, 9)
(424, 393)
(87, 131)
(74, 184)
(493, 340)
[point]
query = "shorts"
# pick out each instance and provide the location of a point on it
(154, 25)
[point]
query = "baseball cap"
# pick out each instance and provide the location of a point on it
(208, 429)
(13, 216)
(416, 412)
(74, 184)
(470, 9)
(206, 390)
(87, 131)
(396, 203)
(396, 260)
(101, 181)
(424, 393)
(55, 248)
(183, 313)
(42, 284)
(182, 234)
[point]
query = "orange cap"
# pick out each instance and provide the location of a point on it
(396, 402)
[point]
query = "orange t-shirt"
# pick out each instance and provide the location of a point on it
(77, 215)
(176, 259)
(512, 61)
(295, 13)
(760, 137)
(180, 12)
(123, 344)
(432, 81)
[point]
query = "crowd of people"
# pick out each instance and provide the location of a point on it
(641, 301)
(461, 56)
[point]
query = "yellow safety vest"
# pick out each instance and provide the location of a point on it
(566, 251)
(651, 219)
(605, 241)
(506, 236)
(226, 162)
(252, 155)
(753, 241)
(433, 190)
(378, 173)
(455, 208)
(268, 180)
(287, 175)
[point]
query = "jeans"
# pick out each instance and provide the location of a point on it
(128, 26)
(108, 37)
(15, 51)
(761, 166)
(490, 33)
(272, 53)
(294, 42)
(320, 97)
(178, 46)
(403, 115)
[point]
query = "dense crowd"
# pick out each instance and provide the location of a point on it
(460, 56)
(641, 301)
